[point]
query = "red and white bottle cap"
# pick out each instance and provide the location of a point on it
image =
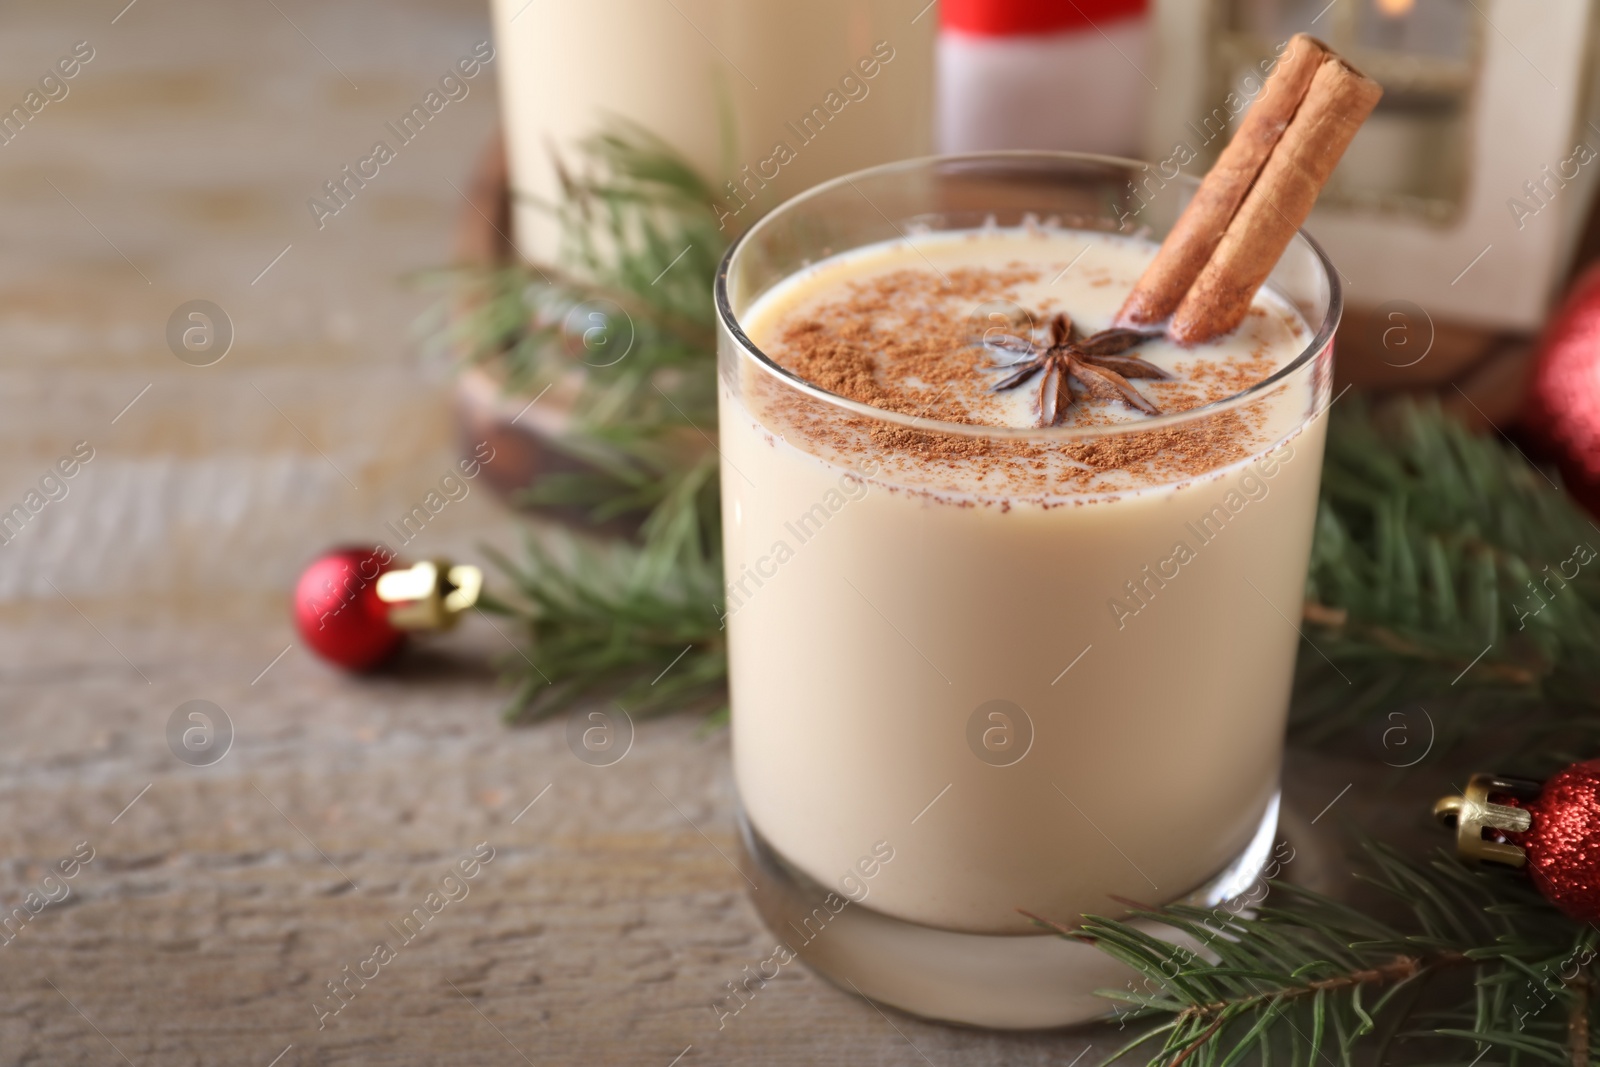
(1043, 74)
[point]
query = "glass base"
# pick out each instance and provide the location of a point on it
(1008, 982)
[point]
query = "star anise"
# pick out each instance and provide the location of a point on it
(1071, 366)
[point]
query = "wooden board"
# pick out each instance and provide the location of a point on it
(222, 899)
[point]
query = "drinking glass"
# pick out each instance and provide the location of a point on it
(951, 710)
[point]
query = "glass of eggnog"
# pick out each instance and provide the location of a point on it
(1012, 590)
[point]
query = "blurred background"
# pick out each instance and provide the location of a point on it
(177, 167)
(264, 287)
(162, 177)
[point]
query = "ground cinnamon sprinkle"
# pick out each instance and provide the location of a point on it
(908, 340)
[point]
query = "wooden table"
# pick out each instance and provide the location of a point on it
(221, 900)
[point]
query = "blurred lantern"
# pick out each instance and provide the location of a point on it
(1464, 195)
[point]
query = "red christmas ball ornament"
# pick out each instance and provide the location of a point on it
(338, 612)
(1563, 844)
(1552, 830)
(1563, 408)
(355, 605)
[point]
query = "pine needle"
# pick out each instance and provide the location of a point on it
(1306, 972)
(1444, 565)
(638, 623)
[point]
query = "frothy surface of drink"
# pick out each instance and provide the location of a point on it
(928, 326)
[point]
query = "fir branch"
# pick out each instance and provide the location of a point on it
(1306, 976)
(1443, 563)
(626, 313)
(617, 479)
(625, 326)
(638, 369)
(638, 624)
(639, 219)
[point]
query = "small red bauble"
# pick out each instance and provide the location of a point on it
(1551, 830)
(338, 612)
(1563, 844)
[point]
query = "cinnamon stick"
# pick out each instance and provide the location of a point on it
(1199, 229)
(1337, 102)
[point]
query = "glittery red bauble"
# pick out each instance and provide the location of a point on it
(1563, 845)
(337, 610)
(1563, 407)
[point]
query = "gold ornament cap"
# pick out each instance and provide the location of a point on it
(431, 595)
(1481, 824)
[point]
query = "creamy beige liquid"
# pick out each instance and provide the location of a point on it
(878, 598)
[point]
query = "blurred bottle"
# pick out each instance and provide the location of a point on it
(1043, 74)
(765, 99)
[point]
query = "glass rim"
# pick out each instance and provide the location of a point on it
(1321, 338)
